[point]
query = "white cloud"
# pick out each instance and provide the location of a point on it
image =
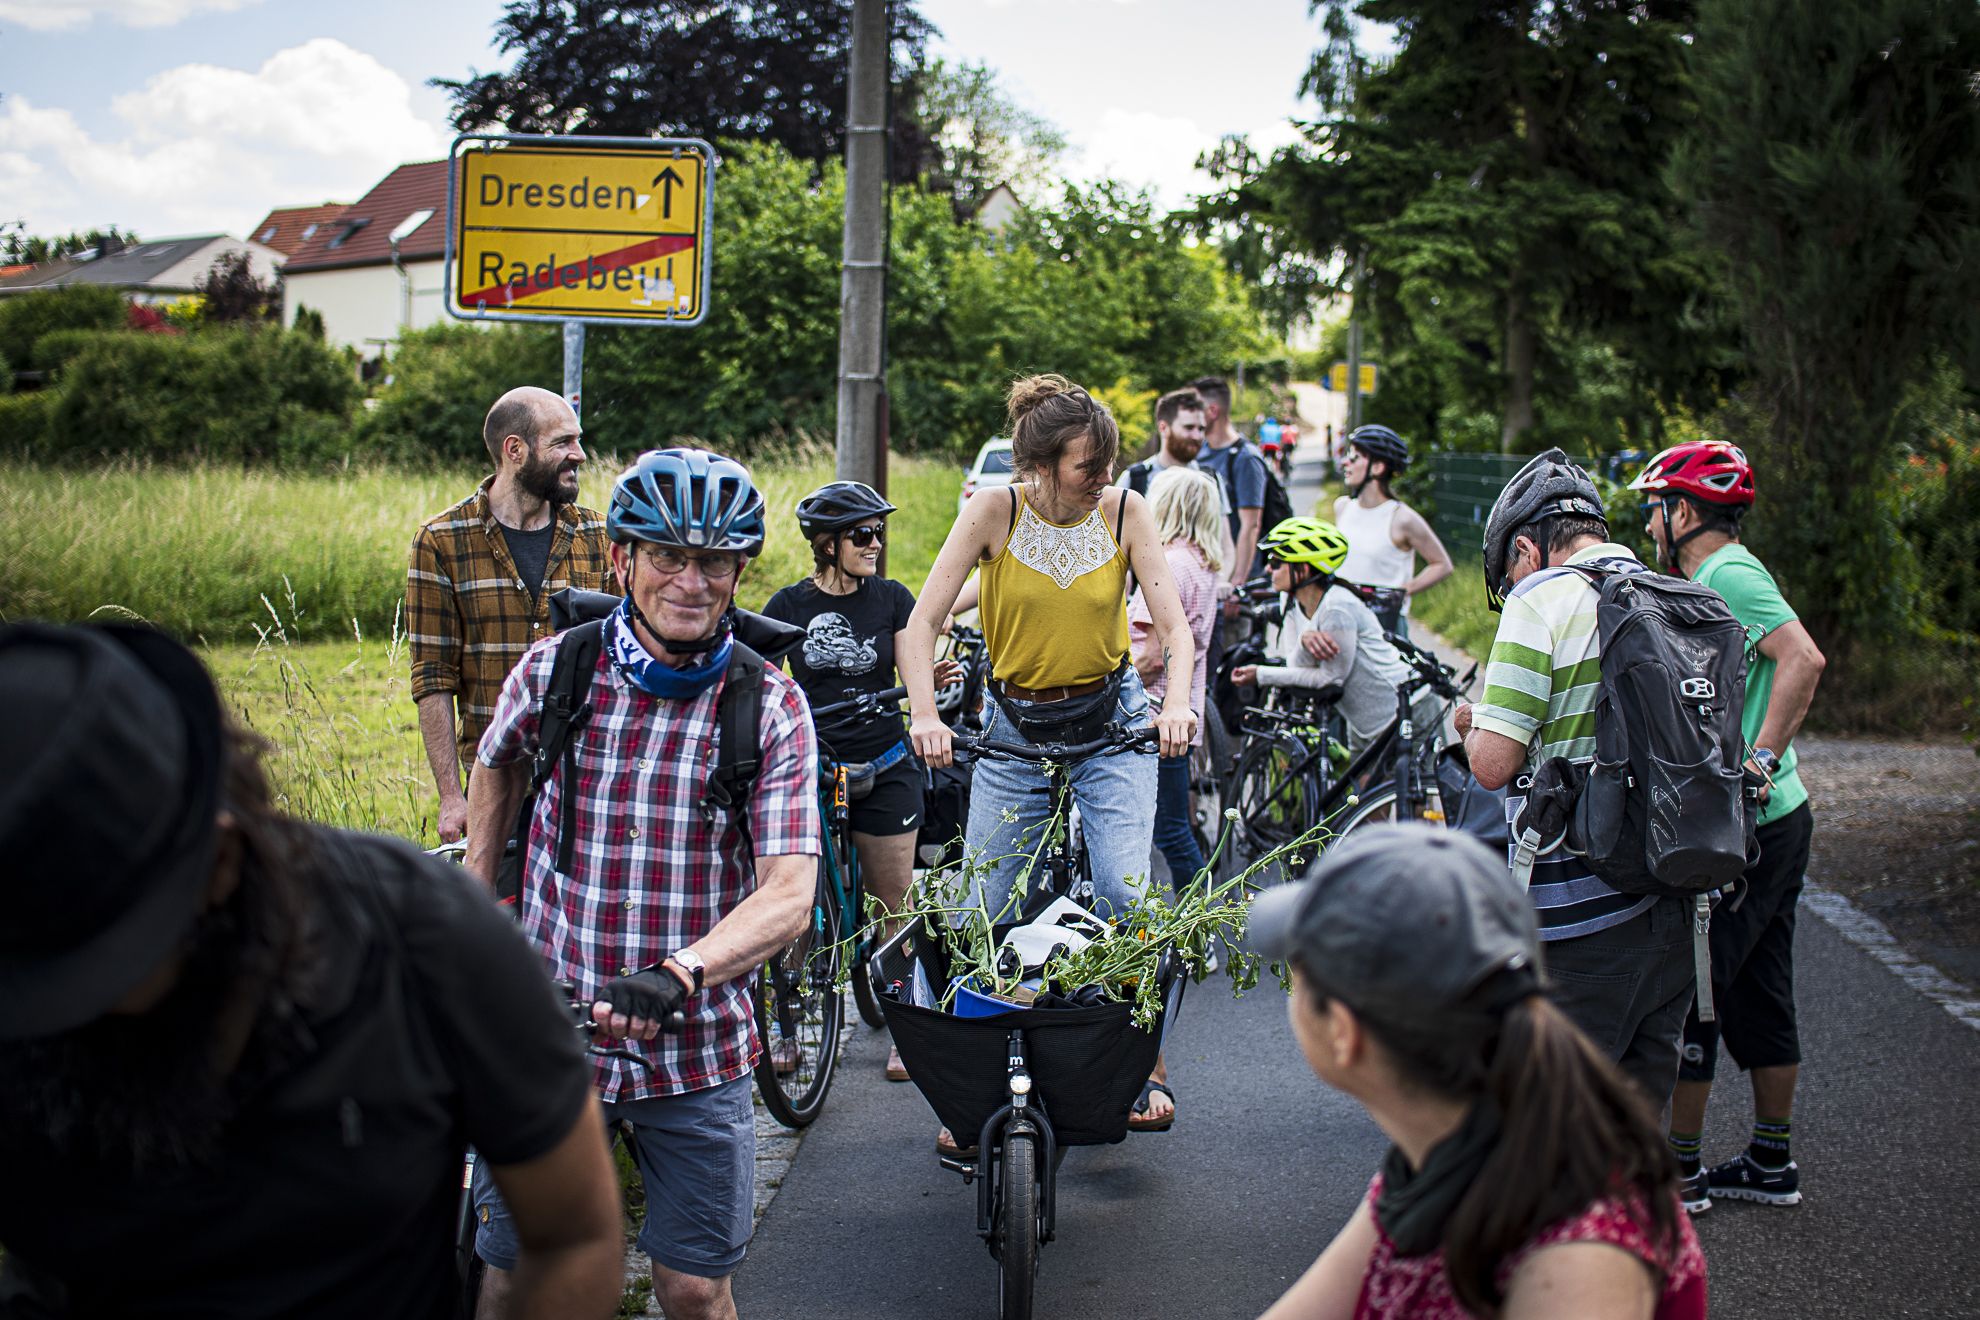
(1146, 149)
(63, 15)
(210, 148)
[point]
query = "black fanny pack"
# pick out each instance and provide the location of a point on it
(1080, 719)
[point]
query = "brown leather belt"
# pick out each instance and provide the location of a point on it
(1016, 693)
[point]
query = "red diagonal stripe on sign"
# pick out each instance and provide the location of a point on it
(504, 294)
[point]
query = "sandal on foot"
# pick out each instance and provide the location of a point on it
(1138, 1120)
(946, 1145)
(896, 1070)
(785, 1056)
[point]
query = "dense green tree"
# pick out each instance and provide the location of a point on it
(1501, 179)
(770, 71)
(26, 317)
(1837, 169)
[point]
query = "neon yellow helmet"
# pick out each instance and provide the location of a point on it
(1310, 541)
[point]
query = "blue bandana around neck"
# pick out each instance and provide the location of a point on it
(631, 658)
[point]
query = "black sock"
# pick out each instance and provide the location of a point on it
(1688, 1147)
(1769, 1149)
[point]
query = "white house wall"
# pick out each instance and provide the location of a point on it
(361, 305)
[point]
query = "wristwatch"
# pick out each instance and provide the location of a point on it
(690, 962)
(1767, 761)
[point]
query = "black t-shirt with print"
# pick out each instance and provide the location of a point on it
(848, 649)
(336, 1187)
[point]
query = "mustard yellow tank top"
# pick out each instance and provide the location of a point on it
(1054, 601)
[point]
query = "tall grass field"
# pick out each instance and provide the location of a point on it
(292, 585)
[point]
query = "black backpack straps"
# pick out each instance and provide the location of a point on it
(738, 733)
(1014, 511)
(1120, 521)
(566, 707)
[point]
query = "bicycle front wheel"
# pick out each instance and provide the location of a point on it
(799, 1011)
(1275, 805)
(1017, 1227)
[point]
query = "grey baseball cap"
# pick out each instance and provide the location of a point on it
(1406, 917)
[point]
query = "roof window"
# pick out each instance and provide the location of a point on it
(351, 228)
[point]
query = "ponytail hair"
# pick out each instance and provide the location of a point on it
(1047, 414)
(1573, 1129)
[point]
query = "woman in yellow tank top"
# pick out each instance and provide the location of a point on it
(1055, 552)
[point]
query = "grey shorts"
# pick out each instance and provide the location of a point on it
(697, 1158)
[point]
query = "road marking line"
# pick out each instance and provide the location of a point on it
(1875, 939)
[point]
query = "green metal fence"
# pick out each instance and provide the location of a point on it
(1464, 487)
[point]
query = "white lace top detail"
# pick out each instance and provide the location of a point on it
(1064, 554)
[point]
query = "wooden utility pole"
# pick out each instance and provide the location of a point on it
(862, 421)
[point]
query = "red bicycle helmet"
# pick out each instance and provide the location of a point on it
(1710, 470)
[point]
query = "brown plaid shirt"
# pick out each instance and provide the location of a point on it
(469, 617)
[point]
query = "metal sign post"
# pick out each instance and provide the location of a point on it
(574, 367)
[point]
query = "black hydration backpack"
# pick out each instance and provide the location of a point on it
(566, 708)
(1666, 807)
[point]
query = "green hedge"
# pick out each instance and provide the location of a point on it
(443, 380)
(26, 317)
(251, 396)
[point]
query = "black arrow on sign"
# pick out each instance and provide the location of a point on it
(665, 181)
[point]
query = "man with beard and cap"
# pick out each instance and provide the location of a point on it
(478, 589)
(242, 1056)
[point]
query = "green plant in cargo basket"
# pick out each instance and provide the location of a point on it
(950, 904)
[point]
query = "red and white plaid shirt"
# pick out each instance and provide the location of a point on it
(655, 864)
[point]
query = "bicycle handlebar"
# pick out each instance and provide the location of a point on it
(1121, 740)
(1432, 670)
(864, 703)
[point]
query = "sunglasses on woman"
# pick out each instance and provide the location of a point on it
(865, 536)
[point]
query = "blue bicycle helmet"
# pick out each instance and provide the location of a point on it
(1380, 442)
(689, 498)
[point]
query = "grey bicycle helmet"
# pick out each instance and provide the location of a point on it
(689, 498)
(1379, 442)
(1548, 485)
(838, 505)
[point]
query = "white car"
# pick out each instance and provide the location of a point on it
(991, 468)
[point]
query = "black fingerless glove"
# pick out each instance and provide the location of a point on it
(654, 994)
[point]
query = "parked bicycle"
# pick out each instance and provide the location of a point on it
(1286, 783)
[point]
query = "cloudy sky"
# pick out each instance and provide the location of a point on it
(192, 116)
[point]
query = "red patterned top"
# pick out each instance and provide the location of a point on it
(1416, 1287)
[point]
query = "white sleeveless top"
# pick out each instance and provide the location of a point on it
(1374, 560)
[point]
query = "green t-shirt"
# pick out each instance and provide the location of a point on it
(1756, 602)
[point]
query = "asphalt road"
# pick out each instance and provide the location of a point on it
(1218, 1215)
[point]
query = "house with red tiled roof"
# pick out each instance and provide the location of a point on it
(287, 228)
(376, 268)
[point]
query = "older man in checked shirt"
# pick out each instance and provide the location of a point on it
(670, 903)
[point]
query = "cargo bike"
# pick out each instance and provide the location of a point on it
(1026, 1083)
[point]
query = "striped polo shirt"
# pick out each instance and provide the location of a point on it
(1540, 687)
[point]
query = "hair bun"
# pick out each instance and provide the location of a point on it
(1031, 391)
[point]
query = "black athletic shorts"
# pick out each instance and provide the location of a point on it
(1753, 961)
(893, 805)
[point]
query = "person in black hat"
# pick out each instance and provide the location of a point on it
(1417, 990)
(241, 1056)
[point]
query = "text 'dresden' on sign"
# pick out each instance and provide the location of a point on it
(591, 229)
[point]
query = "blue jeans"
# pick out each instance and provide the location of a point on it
(1010, 801)
(1172, 820)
